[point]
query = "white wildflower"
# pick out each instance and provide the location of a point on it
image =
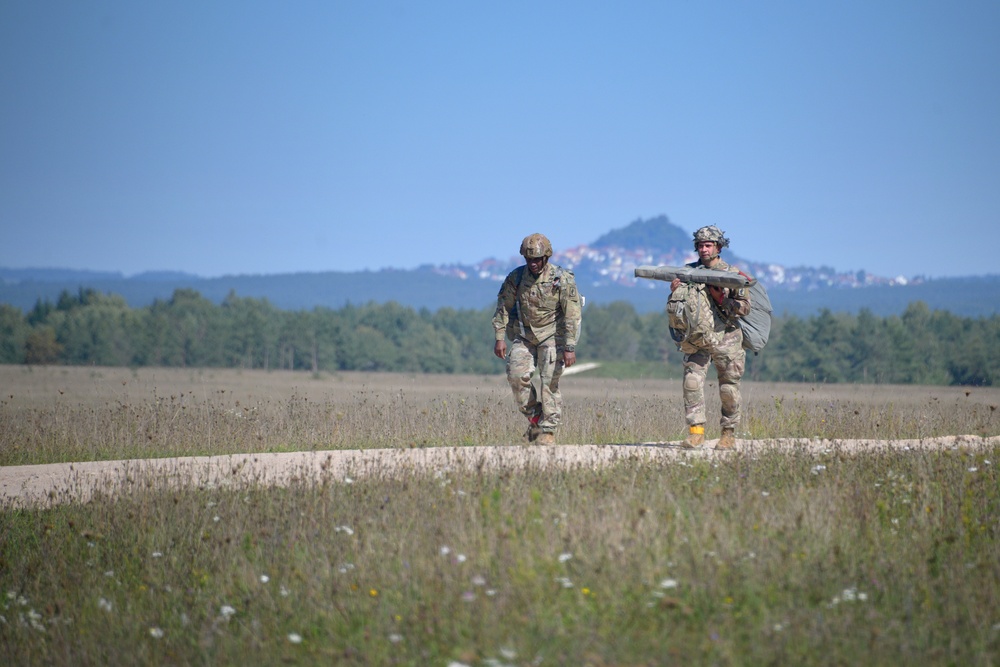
(848, 595)
(36, 620)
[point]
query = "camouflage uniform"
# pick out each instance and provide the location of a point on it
(722, 344)
(541, 316)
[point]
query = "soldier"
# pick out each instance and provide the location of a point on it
(717, 338)
(538, 309)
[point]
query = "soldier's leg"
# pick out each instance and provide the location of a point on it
(520, 367)
(730, 361)
(695, 372)
(550, 370)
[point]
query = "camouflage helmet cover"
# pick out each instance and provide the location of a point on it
(711, 233)
(535, 245)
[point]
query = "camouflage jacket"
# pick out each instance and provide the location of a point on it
(538, 308)
(736, 302)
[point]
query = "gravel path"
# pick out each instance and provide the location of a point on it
(78, 482)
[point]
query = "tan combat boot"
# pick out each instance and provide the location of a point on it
(728, 439)
(545, 438)
(696, 436)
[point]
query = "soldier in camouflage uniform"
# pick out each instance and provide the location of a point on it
(719, 340)
(538, 309)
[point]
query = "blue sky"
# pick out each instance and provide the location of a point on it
(246, 137)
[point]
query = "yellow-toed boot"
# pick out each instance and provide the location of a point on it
(696, 436)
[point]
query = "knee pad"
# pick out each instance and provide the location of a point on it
(692, 382)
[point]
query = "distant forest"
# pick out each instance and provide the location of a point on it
(920, 346)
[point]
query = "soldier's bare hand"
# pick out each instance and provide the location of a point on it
(569, 358)
(674, 284)
(500, 349)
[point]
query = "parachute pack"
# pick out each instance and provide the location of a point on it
(756, 324)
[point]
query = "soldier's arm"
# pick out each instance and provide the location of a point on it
(505, 302)
(737, 302)
(571, 311)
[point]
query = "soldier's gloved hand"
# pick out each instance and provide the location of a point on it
(718, 294)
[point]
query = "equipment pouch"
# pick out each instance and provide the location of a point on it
(676, 308)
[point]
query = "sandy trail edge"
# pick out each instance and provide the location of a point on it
(56, 483)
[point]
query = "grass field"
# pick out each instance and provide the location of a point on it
(776, 557)
(84, 414)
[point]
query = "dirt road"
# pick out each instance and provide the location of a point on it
(77, 482)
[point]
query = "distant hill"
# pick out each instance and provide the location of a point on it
(657, 235)
(604, 272)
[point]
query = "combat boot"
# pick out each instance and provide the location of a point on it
(696, 436)
(545, 438)
(728, 439)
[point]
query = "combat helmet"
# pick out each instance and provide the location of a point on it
(711, 233)
(535, 245)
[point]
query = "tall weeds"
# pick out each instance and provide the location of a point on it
(781, 558)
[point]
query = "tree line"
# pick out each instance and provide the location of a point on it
(918, 347)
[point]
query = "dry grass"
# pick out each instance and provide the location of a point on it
(60, 414)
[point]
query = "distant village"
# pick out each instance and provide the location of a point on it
(615, 266)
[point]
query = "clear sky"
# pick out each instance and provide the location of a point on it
(270, 137)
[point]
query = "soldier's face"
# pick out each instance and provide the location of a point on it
(706, 249)
(536, 264)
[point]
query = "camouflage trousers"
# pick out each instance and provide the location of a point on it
(544, 402)
(729, 359)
